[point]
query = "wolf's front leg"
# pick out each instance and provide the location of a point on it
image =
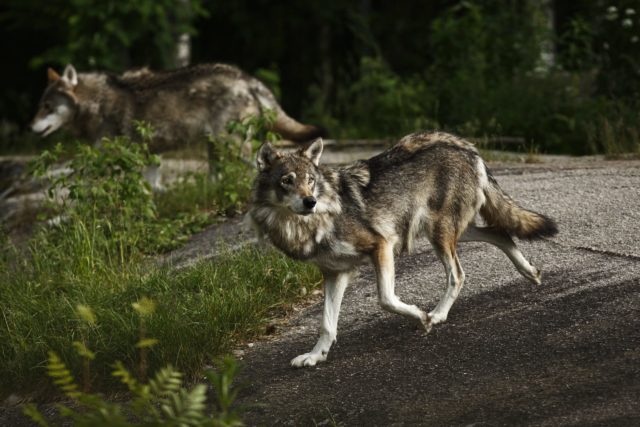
(334, 286)
(385, 270)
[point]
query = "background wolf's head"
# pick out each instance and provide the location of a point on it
(58, 103)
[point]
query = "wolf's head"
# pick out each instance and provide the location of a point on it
(291, 180)
(58, 103)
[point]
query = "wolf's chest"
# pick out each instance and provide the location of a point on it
(316, 244)
(337, 255)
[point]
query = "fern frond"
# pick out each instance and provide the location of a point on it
(36, 416)
(125, 376)
(166, 381)
(186, 408)
(57, 370)
(83, 350)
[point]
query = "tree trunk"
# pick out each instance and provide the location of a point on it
(183, 43)
(547, 59)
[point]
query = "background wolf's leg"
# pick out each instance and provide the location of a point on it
(506, 244)
(385, 271)
(334, 286)
(152, 175)
(213, 157)
(446, 251)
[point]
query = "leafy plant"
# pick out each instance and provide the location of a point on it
(102, 195)
(200, 310)
(379, 104)
(161, 401)
(196, 198)
(141, 32)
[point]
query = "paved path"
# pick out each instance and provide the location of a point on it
(511, 353)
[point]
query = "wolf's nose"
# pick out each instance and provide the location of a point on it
(309, 202)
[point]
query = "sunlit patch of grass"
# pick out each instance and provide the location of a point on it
(201, 310)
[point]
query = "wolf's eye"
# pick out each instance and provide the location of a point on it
(312, 180)
(287, 180)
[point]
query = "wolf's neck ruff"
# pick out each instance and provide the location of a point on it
(299, 236)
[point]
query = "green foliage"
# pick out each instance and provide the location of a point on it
(255, 129)
(225, 392)
(107, 194)
(163, 401)
(93, 256)
(619, 48)
(108, 207)
(485, 78)
(377, 69)
(113, 35)
(577, 42)
(234, 173)
(197, 198)
(616, 136)
(387, 104)
(200, 311)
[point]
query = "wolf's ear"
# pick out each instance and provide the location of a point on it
(70, 75)
(314, 151)
(52, 75)
(265, 157)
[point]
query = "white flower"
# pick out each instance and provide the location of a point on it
(635, 39)
(630, 11)
(612, 9)
(627, 23)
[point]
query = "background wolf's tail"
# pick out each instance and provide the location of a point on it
(293, 130)
(286, 126)
(502, 212)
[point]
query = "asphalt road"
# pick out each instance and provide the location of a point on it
(512, 353)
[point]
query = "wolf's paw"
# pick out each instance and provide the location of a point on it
(434, 318)
(533, 276)
(308, 359)
(425, 322)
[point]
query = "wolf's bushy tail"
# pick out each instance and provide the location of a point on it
(501, 211)
(286, 126)
(293, 130)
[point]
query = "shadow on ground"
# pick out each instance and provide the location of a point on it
(560, 354)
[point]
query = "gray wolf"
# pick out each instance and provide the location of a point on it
(181, 105)
(430, 184)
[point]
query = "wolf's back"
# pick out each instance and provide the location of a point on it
(502, 212)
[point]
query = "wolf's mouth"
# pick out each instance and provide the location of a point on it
(303, 211)
(307, 212)
(44, 132)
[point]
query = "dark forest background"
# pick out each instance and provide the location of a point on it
(564, 75)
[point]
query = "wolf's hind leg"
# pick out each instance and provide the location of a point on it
(506, 244)
(334, 286)
(153, 177)
(446, 251)
(385, 271)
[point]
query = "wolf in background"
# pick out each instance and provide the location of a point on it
(429, 184)
(181, 105)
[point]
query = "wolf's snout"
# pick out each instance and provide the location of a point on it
(309, 202)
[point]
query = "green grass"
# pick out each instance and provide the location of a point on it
(200, 313)
(617, 139)
(98, 261)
